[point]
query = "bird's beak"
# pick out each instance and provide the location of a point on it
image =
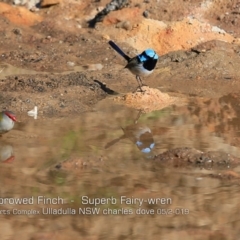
(14, 118)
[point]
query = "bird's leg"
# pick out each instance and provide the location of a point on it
(142, 82)
(139, 80)
(138, 116)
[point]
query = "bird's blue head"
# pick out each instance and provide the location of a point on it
(147, 54)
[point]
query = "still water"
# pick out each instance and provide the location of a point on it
(116, 131)
(112, 149)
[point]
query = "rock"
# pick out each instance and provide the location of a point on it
(149, 100)
(113, 5)
(31, 4)
(133, 15)
(46, 3)
(19, 15)
(146, 14)
(218, 30)
(181, 157)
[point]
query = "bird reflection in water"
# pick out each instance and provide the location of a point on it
(139, 134)
(6, 153)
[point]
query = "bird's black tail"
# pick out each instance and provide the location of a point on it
(114, 141)
(117, 49)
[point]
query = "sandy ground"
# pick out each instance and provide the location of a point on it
(52, 59)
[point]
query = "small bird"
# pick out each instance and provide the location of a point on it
(139, 134)
(7, 119)
(140, 65)
(6, 153)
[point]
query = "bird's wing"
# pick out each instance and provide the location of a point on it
(118, 50)
(133, 62)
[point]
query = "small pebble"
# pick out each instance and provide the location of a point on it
(146, 14)
(93, 67)
(70, 64)
(127, 25)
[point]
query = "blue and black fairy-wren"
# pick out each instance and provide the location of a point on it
(140, 65)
